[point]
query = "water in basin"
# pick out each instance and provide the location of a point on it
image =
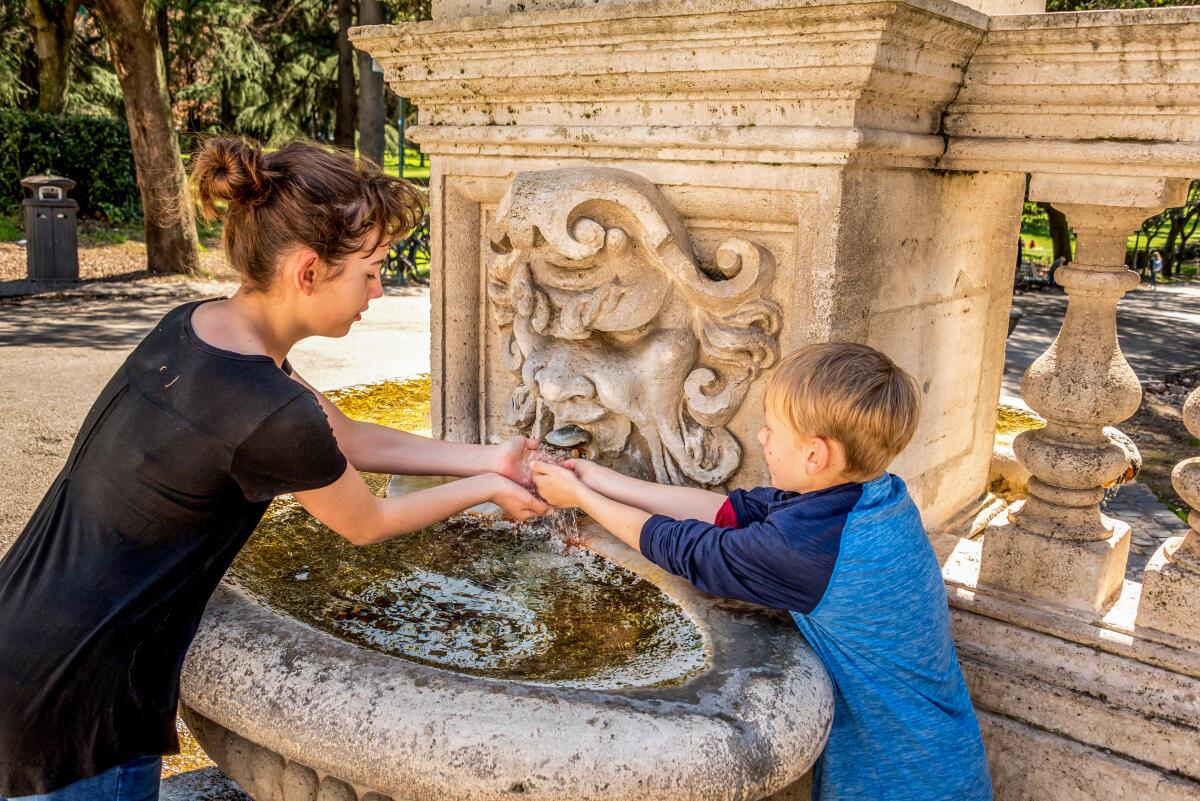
(472, 594)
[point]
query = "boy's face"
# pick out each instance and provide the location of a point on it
(799, 462)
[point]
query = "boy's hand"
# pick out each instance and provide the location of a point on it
(586, 469)
(558, 485)
(511, 459)
(515, 500)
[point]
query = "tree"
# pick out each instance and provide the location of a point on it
(15, 43)
(53, 24)
(132, 32)
(347, 102)
(1060, 232)
(372, 116)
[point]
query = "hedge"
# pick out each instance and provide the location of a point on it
(92, 151)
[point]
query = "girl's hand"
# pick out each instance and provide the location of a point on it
(516, 501)
(511, 459)
(558, 485)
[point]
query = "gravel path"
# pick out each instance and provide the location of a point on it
(124, 261)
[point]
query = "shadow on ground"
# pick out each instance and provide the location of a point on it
(106, 324)
(1159, 331)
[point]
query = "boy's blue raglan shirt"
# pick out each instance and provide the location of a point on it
(854, 566)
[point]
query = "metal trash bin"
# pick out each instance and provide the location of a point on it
(52, 249)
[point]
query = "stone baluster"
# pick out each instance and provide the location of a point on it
(1056, 545)
(1171, 586)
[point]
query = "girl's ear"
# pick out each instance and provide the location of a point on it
(302, 270)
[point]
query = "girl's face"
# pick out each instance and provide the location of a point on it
(338, 303)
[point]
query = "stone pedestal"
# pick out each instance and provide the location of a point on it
(1031, 564)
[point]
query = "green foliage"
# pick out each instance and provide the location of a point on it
(92, 151)
(10, 226)
(15, 39)
(94, 87)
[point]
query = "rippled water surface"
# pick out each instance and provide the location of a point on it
(471, 594)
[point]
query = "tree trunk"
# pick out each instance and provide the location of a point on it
(228, 116)
(1060, 232)
(371, 113)
(53, 31)
(171, 241)
(347, 102)
(162, 25)
(1168, 251)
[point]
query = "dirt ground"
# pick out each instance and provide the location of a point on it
(125, 261)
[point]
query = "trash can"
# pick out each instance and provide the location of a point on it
(51, 250)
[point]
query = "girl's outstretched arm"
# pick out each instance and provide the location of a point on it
(379, 449)
(681, 503)
(348, 507)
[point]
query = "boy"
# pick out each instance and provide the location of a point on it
(838, 542)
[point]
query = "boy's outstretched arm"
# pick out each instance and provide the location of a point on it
(658, 499)
(565, 488)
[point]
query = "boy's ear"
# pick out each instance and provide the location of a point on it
(823, 453)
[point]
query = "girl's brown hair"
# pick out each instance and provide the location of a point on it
(301, 195)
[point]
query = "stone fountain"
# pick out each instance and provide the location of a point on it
(636, 207)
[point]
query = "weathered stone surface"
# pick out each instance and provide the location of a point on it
(299, 782)
(614, 326)
(750, 725)
(333, 789)
(1073, 572)
(1171, 591)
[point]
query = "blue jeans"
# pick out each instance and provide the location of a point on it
(136, 780)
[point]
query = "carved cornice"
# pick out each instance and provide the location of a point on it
(1103, 92)
(724, 78)
(788, 82)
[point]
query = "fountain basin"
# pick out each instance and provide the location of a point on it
(290, 713)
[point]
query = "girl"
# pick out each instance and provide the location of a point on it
(176, 463)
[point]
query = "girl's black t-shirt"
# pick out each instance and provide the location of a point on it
(101, 594)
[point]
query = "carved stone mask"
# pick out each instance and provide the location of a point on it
(613, 324)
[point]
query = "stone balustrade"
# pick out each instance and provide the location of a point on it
(1056, 545)
(1171, 589)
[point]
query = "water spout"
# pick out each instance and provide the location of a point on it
(569, 441)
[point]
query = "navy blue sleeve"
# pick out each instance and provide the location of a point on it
(750, 506)
(759, 563)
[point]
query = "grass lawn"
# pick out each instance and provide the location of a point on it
(412, 165)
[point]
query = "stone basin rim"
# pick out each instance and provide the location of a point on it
(757, 717)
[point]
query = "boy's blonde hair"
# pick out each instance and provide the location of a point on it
(850, 393)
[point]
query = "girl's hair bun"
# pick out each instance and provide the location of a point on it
(231, 172)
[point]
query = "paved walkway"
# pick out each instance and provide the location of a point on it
(1152, 524)
(1159, 331)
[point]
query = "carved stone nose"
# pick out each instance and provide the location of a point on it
(560, 386)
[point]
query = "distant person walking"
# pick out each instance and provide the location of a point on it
(1156, 267)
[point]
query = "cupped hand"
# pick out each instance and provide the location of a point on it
(516, 501)
(558, 485)
(512, 458)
